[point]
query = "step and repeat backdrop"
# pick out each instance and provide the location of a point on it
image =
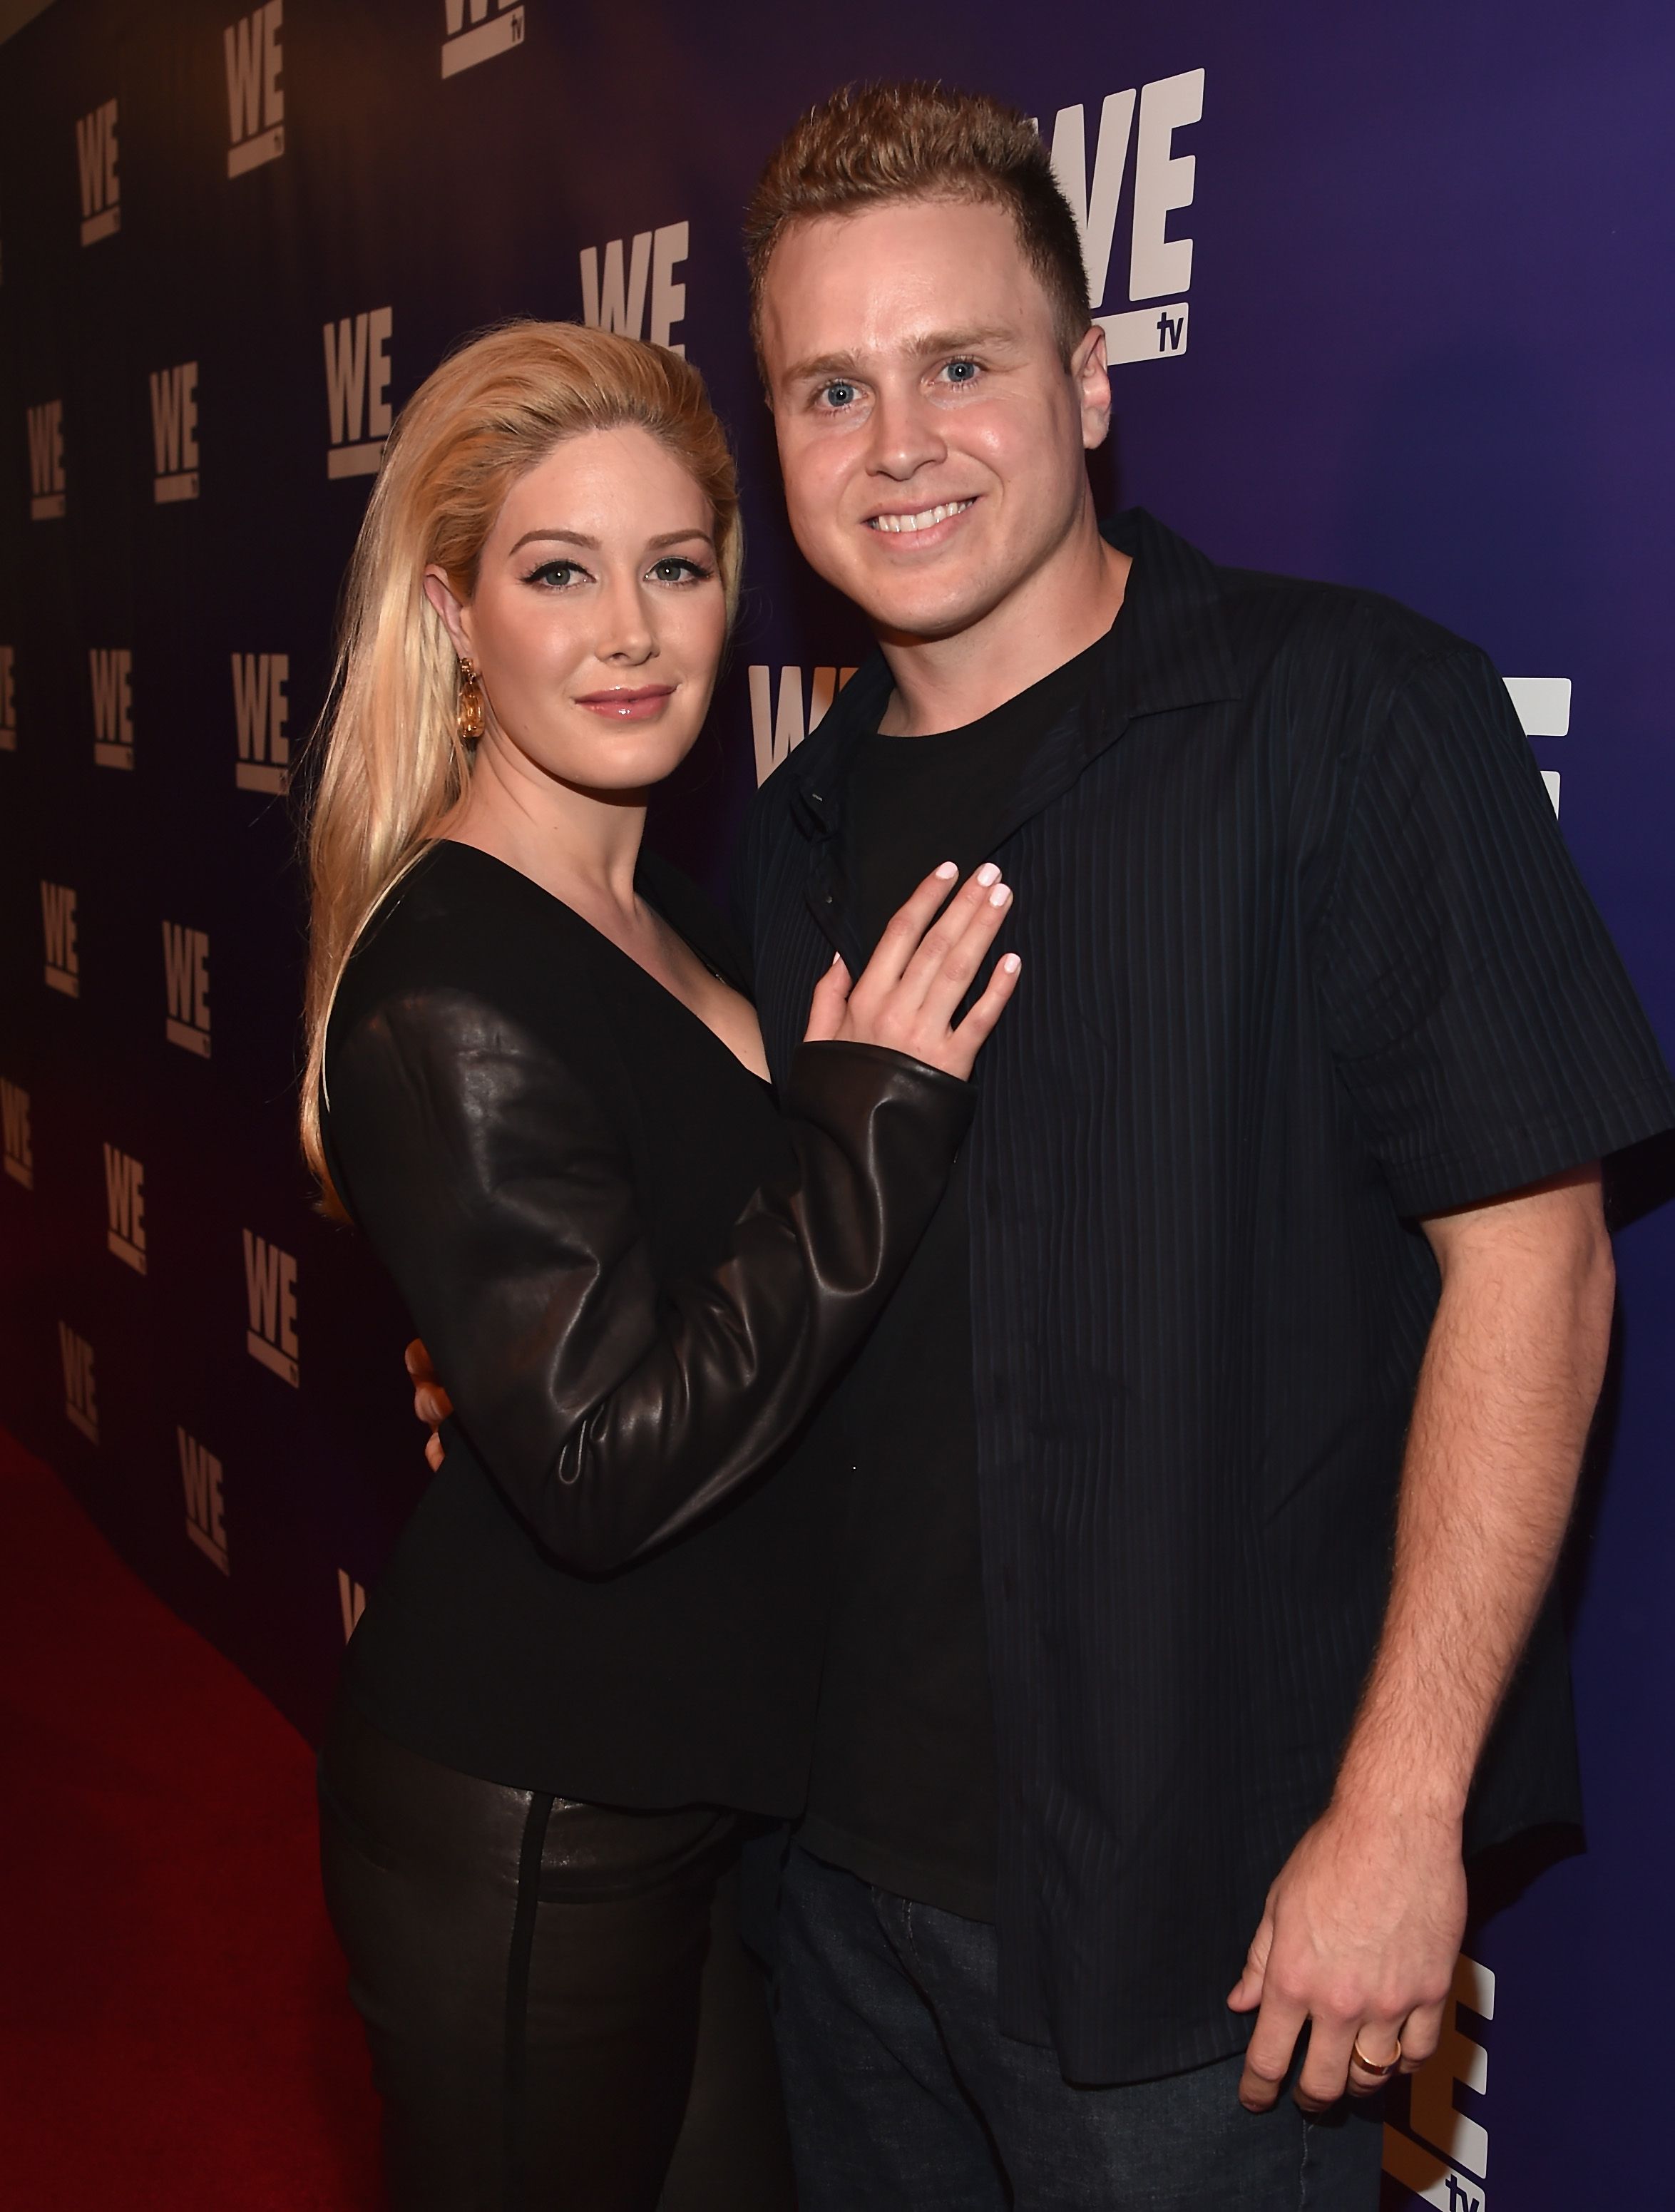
(1387, 293)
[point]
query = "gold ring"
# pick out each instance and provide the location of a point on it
(1381, 2073)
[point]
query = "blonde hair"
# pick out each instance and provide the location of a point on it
(392, 766)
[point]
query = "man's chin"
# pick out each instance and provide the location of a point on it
(922, 609)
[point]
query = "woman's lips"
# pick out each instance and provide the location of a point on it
(626, 706)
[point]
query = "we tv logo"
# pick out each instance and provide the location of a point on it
(357, 392)
(81, 1402)
(16, 1150)
(95, 160)
(477, 30)
(255, 101)
(174, 432)
(186, 979)
(46, 461)
(201, 1479)
(58, 918)
(260, 708)
(112, 673)
(124, 1208)
(1434, 2149)
(271, 1292)
(779, 722)
(615, 299)
(1164, 182)
(7, 700)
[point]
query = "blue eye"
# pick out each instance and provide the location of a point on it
(556, 574)
(675, 568)
(839, 394)
(962, 372)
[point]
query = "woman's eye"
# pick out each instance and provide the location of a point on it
(677, 569)
(557, 575)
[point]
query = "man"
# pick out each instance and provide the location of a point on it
(1211, 1465)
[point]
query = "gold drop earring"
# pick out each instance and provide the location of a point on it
(470, 710)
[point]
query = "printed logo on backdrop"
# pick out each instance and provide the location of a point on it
(95, 162)
(46, 461)
(57, 917)
(124, 1208)
(477, 30)
(1441, 2155)
(200, 1478)
(613, 297)
(780, 720)
(81, 1405)
(255, 101)
(270, 1291)
(8, 700)
(112, 673)
(1543, 708)
(260, 710)
(357, 392)
(186, 981)
(1157, 266)
(174, 432)
(351, 1600)
(14, 1146)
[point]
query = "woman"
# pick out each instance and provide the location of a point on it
(536, 1082)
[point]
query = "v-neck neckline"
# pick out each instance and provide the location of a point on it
(508, 867)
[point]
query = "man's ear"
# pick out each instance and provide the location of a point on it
(1092, 379)
(456, 613)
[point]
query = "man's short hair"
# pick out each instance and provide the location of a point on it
(871, 144)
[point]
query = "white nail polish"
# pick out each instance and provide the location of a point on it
(988, 873)
(1011, 964)
(1000, 895)
(946, 870)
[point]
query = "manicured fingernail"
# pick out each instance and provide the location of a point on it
(946, 870)
(1000, 894)
(837, 960)
(988, 873)
(1011, 964)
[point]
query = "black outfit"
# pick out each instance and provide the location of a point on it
(901, 1789)
(1305, 959)
(637, 1278)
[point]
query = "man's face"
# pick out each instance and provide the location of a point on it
(931, 436)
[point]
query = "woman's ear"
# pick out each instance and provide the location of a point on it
(456, 613)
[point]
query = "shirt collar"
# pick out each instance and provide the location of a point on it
(1167, 648)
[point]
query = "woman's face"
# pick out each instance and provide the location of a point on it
(598, 617)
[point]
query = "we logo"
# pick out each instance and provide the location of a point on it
(351, 1600)
(8, 703)
(174, 432)
(1542, 704)
(357, 387)
(617, 301)
(57, 917)
(260, 707)
(124, 1208)
(200, 1478)
(255, 103)
(80, 1405)
(1164, 182)
(477, 30)
(186, 977)
(19, 1156)
(1443, 2153)
(779, 727)
(46, 461)
(270, 1289)
(95, 158)
(112, 709)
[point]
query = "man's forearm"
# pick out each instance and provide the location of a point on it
(1510, 1379)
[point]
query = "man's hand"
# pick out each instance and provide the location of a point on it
(431, 1403)
(1359, 1938)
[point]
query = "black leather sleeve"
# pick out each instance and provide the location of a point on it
(614, 1409)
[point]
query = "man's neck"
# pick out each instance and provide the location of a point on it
(1065, 606)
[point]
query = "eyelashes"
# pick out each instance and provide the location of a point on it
(559, 575)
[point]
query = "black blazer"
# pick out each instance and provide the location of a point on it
(636, 1277)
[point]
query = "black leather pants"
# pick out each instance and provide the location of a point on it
(561, 2014)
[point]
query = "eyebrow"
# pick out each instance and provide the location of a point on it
(591, 545)
(919, 347)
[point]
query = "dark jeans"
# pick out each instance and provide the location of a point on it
(904, 2096)
(561, 2015)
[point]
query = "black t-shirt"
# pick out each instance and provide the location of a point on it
(902, 1788)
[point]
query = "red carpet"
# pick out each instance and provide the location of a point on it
(174, 2030)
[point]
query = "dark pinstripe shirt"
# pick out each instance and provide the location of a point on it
(1305, 959)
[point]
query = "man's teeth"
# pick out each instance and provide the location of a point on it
(923, 520)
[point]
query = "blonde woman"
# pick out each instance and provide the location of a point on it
(537, 1084)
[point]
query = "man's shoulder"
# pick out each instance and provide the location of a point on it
(1300, 627)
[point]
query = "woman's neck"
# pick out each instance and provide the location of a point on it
(582, 846)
